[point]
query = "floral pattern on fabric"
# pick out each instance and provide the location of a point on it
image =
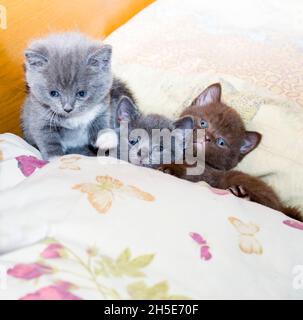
(294, 224)
(70, 163)
(204, 247)
(29, 271)
(101, 194)
(57, 291)
(247, 241)
(29, 164)
(95, 268)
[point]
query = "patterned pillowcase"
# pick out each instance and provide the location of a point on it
(18, 160)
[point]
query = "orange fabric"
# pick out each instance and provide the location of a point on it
(28, 19)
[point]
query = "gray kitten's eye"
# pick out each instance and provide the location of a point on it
(54, 94)
(134, 141)
(81, 94)
(158, 148)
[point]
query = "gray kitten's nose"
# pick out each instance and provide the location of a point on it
(68, 108)
(143, 153)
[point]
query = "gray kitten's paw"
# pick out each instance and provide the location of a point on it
(107, 139)
(239, 191)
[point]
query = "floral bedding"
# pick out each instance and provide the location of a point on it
(96, 228)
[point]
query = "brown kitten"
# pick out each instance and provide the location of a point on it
(226, 143)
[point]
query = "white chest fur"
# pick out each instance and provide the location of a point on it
(77, 134)
(82, 120)
(75, 138)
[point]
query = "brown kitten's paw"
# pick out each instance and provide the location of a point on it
(165, 169)
(239, 191)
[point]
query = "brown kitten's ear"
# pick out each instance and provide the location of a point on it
(100, 58)
(210, 95)
(126, 110)
(251, 141)
(186, 122)
(35, 59)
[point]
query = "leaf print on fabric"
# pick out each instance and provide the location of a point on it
(124, 265)
(95, 272)
(204, 247)
(58, 291)
(101, 194)
(247, 241)
(294, 224)
(160, 291)
(29, 164)
(70, 163)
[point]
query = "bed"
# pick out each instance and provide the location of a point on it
(96, 228)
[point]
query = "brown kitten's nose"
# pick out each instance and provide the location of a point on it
(207, 138)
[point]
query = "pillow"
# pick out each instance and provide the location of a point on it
(17, 160)
(140, 234)
(174, 49)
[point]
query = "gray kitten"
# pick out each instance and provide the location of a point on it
(144, 140)
(72, 94)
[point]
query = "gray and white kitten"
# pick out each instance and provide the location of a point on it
(144, 138)
(72, 94)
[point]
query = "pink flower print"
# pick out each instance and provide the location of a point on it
(204, 248)
(294, 224)
(29, 271)
(53, 251)
(58, 291)
(220, 192)
(28, 164)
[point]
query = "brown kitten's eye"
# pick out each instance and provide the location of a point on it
(220, 142)
(204, 124)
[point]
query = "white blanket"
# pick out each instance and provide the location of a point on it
(113, 230)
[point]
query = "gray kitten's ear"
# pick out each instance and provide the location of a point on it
(211, 94)
(186, 122)
(35, 59)
(100, 58)
(126, 110)
(250, 142)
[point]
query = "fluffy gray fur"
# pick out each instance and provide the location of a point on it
(69, 64)
(150, 150)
